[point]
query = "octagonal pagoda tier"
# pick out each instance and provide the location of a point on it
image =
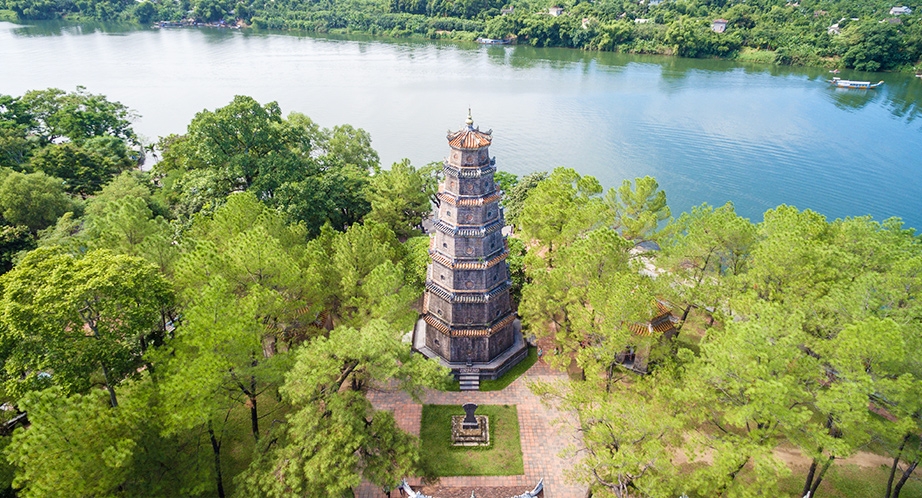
(468, 321)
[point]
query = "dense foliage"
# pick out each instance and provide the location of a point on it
(211, 327)
(805, 337)
(230, 306)
(849, 33)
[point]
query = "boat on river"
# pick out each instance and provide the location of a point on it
(860, 85)
(494, 41)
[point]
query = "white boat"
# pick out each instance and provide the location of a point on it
(861, 85)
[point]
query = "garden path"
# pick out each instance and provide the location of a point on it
(545, 433)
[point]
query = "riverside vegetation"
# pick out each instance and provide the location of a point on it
(774, 31)
(209, 327)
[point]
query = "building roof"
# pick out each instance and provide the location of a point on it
(661, 322)
(469, 137)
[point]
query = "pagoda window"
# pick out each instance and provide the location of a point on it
(447, 213)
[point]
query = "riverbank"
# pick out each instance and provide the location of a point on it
(847, 34)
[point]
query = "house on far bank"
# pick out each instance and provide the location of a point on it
(719, 25)
(641, 21)
(507, 10)
(898, 11)
(555, 11)
(655, 2)
(834, 29)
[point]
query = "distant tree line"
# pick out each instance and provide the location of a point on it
(866, 35)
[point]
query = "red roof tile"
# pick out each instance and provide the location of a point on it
(469, 138)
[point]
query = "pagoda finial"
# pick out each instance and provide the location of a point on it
(470, 120)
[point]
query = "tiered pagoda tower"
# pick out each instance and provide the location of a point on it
(468, 322)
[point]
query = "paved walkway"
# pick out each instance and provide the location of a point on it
(543, 436)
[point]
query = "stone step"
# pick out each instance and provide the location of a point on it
(469, 382)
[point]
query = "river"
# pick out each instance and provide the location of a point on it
(709, 131)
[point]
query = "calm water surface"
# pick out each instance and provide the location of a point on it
(709, 131)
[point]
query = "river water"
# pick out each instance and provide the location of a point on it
(709, 131)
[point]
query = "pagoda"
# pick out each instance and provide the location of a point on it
(468, 323)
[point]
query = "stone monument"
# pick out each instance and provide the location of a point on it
(468, 322)
(470, 429)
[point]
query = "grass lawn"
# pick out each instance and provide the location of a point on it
(851, 481)
(502, 458)
(507, 378)
(513, 373)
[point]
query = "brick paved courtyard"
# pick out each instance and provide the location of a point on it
(542, 439)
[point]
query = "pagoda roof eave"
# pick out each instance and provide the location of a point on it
(470, 138)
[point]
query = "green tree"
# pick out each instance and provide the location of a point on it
(127, 226)
(15, 146)
(399, 199)
(35, 200)
(72, 318)
(351, 146)
(561, 208)
(872, 46)
(626, 449)
(248, 299)
(514, 198)
(13, 241)
(590, 297)
(333, 437)
(638, 210)
(311, 175)
(75, 445)
(703, 252)
(84, 169)
(365, 275)
(78, 116)
(747, 392)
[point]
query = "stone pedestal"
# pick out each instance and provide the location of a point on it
(476, 436)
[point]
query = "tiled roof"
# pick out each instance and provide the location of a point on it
(468, 201)
(469, 137)
(661, 323)
(478, 332)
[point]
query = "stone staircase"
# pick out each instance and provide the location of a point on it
(469, 379)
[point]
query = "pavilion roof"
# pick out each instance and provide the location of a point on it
(469, 137)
